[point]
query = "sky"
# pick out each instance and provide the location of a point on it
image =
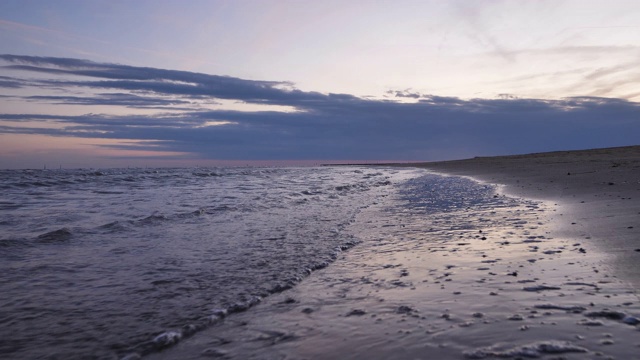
(205, 83)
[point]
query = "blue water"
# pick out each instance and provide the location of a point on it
(101, 264)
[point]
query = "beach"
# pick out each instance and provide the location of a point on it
(545, 267)
(598, 193)
(320, 180)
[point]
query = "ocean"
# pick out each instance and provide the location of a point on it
(115, 263)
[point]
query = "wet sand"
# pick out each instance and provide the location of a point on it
(598, 193)
(551, 278)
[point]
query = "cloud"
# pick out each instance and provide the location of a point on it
(472, 16)
(9, 82)
(405, 94)
(631, 50)
(322, 126)
(146, 79)
(113, 99)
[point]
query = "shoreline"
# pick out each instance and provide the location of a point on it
(597, 190)
(530, 288)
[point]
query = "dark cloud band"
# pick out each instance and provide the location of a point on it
(323, 126)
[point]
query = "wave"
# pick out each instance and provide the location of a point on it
(13, 242)
(55, 236)
(168, 338)
(231, 235)
(8, 205)
(107, 192)
(206, 174)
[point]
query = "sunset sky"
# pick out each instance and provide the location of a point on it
(185, 83)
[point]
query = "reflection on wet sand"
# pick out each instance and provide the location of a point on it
(482, 279)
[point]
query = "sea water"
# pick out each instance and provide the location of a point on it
(117, 263)
(103, 263)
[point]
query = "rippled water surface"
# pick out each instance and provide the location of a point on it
(98, 264)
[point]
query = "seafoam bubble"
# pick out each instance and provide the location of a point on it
(189, 329)
(167, 339)
(533, 350)
(589, 322)
(245, 305)
(577, 283)
(132, 356)
(219, 312)
(214, 353)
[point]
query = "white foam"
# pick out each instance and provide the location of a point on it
(533, 350)
(167, 338)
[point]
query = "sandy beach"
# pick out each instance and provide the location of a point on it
(549, 270)
(598, 193)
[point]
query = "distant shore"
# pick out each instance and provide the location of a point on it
(598, 191)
